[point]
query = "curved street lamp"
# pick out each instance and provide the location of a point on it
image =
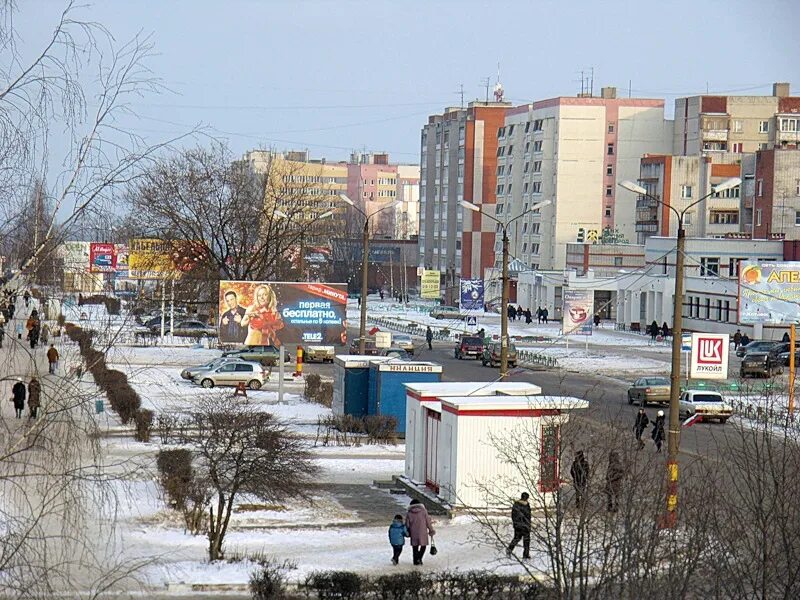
(505, 291)
(674, 436)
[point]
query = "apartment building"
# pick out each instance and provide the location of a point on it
(459, 162)
(406, 211)
(772, 193)
(573, 152)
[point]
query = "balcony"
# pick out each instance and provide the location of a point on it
(788, 137)
(646, 202)
(715, 135)
(647, 226)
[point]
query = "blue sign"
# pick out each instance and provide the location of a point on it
(471, 295)
(472, 321)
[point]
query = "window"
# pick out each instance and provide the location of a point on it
(511, 166)
(461, 134)
(737, 126)
(686, 191)
(244, 368)
(737, 147)
(797, 217)
(501, 151)
(725, 218)
(548, 459)
(609, 191)
(524, 228)
(610, 128)
(537, 146)
(537, 187)
(525, 187)
(527, 147)
(501, 133)
(527, 167)
(610, 150)
(763, 127)
(501, 169)
(727, 311)
(609, 169)
(789, 125)
(500, 189)
(525, 248)
(758, 217)
(709, 266)
(538, 124)
(527, 127)
(608, 211)
(510, 129)
(534, 248)
(719, 309)
(508, 191)
(499, 209)
(708, 308)
(510, 150)
(733, 267)
(763, 146)
(760, 188)
(697, 306)
(535, 228)
(617, 261)
(537, 166)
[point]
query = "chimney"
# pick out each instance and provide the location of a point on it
(780, 90)
(609, 93)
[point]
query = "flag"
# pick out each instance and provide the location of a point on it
(691, 420)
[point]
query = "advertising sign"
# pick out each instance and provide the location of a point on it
(121, 252)
(709, 356)
(150, 259)
(102, 258)
(769, 292)
(258, 313)
(429, 287)
(578, 309)
(471, 296)
(76, 257)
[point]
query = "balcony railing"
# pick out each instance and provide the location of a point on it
(647, 226)
(645, 202)
(715, 135)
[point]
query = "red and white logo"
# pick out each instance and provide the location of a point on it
(709, 356)
(709, 351)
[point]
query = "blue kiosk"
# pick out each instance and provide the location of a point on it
(387, 392)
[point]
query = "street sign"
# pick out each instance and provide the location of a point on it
(709, 356)
(472, 321)
(686, 342)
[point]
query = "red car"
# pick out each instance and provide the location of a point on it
(469, 346)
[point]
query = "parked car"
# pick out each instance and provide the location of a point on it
(370, 349)
(190, 372)
(267, 355)
(491, 355)
(252, 374)
(652, 390)
(321, 354)
(394, 353)
(708, 405)
(404, 341)
(469, 346)
(191, 329)
(759, 346)
(763, 363)
(783, 355)
(447, 312)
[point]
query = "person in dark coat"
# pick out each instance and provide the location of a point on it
(34, 397)
(745, 340)
(521, 520)
(18, 396)
(614, 477)
(658, 430)
(528, 316)
(419, 526)
(230, 328)
(597, 320)
(654, 330)
(664, 330)
(398, 532)
(642, 421)
(786, 338)
(429, 337)
(737, 339)
(580, 476)
(545, 314)
(512, 312)
(539, 315)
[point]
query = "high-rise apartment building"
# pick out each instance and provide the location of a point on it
(406, 211)
(572, 152)
(771, 202)
(459, 157)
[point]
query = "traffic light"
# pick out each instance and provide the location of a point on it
(581, 235)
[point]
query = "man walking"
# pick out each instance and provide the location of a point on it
(18, 396)
(580, 476)
(642, 421)
(34, 397)
(658, 430)
(52, 359)
(737, 339)
(429, 337)
(521, 521)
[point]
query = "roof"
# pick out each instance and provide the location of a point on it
(437, 389)
(512, 405)
(357, 360)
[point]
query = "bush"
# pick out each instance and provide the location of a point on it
(126, 402)
(325, 394)
(313, 382)
(108, 380)
(269, 581)
(175, 475)
(61, 320)
(403, 586)
(144, 425)
(334, 584)
(380, 429)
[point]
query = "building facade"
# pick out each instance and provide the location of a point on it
(772, 194)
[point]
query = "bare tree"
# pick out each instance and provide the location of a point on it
(239, 450)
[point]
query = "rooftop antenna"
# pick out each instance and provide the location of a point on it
(591, 83)
(487, 83)
(498, 87)
(460, 92)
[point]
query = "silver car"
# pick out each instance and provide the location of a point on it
(190, 372)
(404, 341)
(252, 374)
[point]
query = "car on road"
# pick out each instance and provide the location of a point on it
(321, 354)
(448, 312)
(491, 355)
(707, 405)
(370, 348)
(191, 328)
(267, 355)
(404, 341)
(649, 390)
(762, 363)
(190, 372)
(252, 374)
(394, 353)
(759, 346)
(783, 355)
(469, 346)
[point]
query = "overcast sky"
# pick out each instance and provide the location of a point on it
(333, 76)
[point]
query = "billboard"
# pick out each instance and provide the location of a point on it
(76, 257)
(709, 356)
(769, 292)
(102, 258)
(429, 286)
(278, 313)
(578, 309)
(471, 295)
(121, 252)
(150, 259)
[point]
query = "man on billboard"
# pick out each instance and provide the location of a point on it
(231, 329)
(262, 318)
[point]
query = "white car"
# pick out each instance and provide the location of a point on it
(707, 405)
(252, 374)
(191, 372)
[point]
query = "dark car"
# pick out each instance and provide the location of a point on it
(370, 349)
(491, 355)
(755, 346)
(470, 346)
(763, 362)
(266, 355)
(394, 353)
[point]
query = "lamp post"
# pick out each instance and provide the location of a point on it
(505, 278)
(674, 433)
(362, 330)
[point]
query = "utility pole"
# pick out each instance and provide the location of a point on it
(362, 331)
(504, 309)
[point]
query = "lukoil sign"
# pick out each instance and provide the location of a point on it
(709, 356)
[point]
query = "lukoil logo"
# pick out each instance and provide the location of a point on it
(709, 351)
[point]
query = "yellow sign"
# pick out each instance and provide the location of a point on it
(150, 259)
(430, 284)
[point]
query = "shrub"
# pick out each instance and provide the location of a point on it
(313, 382)
(108, 380)
(175, 475)
(325, 394)
(144, 424)
(403, 586)
(335, 584)
(166, 425)
(380, 429)
(61, 320)
(126, 402)
(269, 581)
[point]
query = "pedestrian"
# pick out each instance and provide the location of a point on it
(580, 476)
(642, 421)
(45, 333)
(398, 532)
(654, 330)
(528, 316)
(665, 330)
(20, 327)
(380, 293)
(614, 476)
(52, 359)
(597, 320)
(512, 312)
(18, 397)
(521, 521)
(420, 527)
(429, 337)
(2, 334)
(482, 334)
(785, 339)
(545, 314)
(27, 298)
(737, 339)
(539, 315)
(745, 340)
(34, 397)
(658, 430)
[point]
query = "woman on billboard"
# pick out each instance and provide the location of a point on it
(262, 319)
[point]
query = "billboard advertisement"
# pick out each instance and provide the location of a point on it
(121, 252)
(709, 356)
(76, 257)
(769, 292)
(150, 259)
(258, 313)
(429, 286)
(102, 258)
(578, 309)
(471, 296)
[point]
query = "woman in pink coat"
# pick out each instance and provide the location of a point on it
(419, 526)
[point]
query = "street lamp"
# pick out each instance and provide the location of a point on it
(362, 331)
(674, 437)
(505, 278)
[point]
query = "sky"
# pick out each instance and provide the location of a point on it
(337, 76)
